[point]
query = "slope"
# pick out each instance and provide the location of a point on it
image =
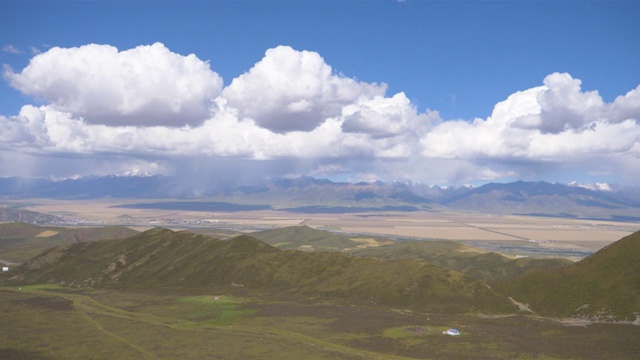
(304, 237)
(21, 241)
(161, 258)
(605, 285)
(8, 214)
(471, 261)
(542, 198)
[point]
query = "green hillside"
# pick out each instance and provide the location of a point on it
(471, 261)
(21, 241)
(451, 255)
(605, 285)
(304, 237)
(161, 258)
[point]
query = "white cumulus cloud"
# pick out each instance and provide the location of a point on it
(550, 126)
(147, 85)
(290, 90)
(149, 109)
(553, 122)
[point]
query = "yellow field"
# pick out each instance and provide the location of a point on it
(47, 233)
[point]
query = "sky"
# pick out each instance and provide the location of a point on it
(446, 93)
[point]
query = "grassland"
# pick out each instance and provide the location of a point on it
(20, 241)
(604, 285)
(49, 322)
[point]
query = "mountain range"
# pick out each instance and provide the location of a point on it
(307, 194)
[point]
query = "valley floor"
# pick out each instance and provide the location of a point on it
(50, 322)
(508, 234)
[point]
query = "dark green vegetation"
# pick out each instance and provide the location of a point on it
(304, 237)
(167, 294)
(451, 255)
(49, 322)
(162, 258)
(20, 241)
(466, 259)
(604, 285)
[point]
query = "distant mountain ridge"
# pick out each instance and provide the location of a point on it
(538, 197)
(159, 186)
(600, 201)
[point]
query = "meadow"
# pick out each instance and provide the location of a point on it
(50, 322)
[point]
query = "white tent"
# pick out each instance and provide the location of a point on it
(452, 332)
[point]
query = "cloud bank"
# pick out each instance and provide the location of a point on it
(148, 85)
(148, 109)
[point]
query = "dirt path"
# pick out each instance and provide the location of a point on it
(521, 306)
(87, 306)
(82, 304)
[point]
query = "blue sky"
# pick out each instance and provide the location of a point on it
(565, 62)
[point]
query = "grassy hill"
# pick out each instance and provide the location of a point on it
(306, 238)
(471, 261)
(605, 285)
(21, 241)
(161, 258)
(8, 214)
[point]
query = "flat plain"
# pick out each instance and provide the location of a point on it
(511, 234)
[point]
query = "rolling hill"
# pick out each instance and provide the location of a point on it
(21, 241)
(605, 285)
(8, 214)
(470, 261)
(161, 258)
(307, 238)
